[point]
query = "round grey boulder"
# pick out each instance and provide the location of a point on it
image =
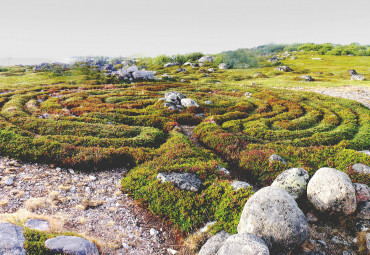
(362, 192)
(71, 245)
(331, 190)
(11, 239)
(184, 181)
(36, 224)
(294, 181)
(214, 243)
(205, 59)
(273, 215)
(244, 244)
(187, 102)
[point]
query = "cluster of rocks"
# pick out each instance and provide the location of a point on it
(132, 73)
(177, 101)
(273, 59)
(12, 240)
(50, 67)
(355, 75)
(200, 62)
(271, 219)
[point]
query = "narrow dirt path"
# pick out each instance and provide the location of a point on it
(88, 204)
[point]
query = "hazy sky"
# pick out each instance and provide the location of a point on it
(63, 28)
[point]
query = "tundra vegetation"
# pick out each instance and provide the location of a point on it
(79, 117)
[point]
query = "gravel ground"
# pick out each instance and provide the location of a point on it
(357, 93)
(90, 204)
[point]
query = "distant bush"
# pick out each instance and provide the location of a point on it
(239, 59)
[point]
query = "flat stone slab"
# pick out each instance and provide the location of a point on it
(184, 181)
(36, 224)
(11, 239)
(71, 245)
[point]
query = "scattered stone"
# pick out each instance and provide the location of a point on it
(207, 227)
(170, 64)
(315, 58)
(335, 240)
(260, 75)
(239, 185)
(187, 102)
(294, 181)
(208, 102)
(322, 242)
(153, 232)
(362, 192)
(311, 217)
(92, 178)
(71, 245)
(222, 66)
(307, 78)
(205, 59)
(37, 224)
(355, 75)
(223, 170)
(187, 64)
(274, 157)
(361, 168)
(214, 243)
(182, 80)
(180, 70)
(9, 181)
(11, 239)
(273, 59)
(244, 244)
(283, 69)
(363, 210)
(248, 94)
(366, 152)
(273, 215)
(200, 115)
(171, 251)
(184, 181)
(332, 190)
(293, 58)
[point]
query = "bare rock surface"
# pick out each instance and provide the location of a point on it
(361, 168)
(11, 239)
(95, 206)
(331, 190)
(273, 215)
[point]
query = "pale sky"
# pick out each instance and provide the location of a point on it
(64, 28)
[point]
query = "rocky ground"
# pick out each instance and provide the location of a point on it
(357, 93)
(89, 204)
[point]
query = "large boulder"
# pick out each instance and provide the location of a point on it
(332, 191)
(294, 181)
(283, 69)
(307, 78)
(214, 243)
(366, 152)
(244, 244)
(187, 102)
(71, 245)
(222, 66)
(184, 181)
(361, 168)
(11, 239)
(205, 59)
(273, 215)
